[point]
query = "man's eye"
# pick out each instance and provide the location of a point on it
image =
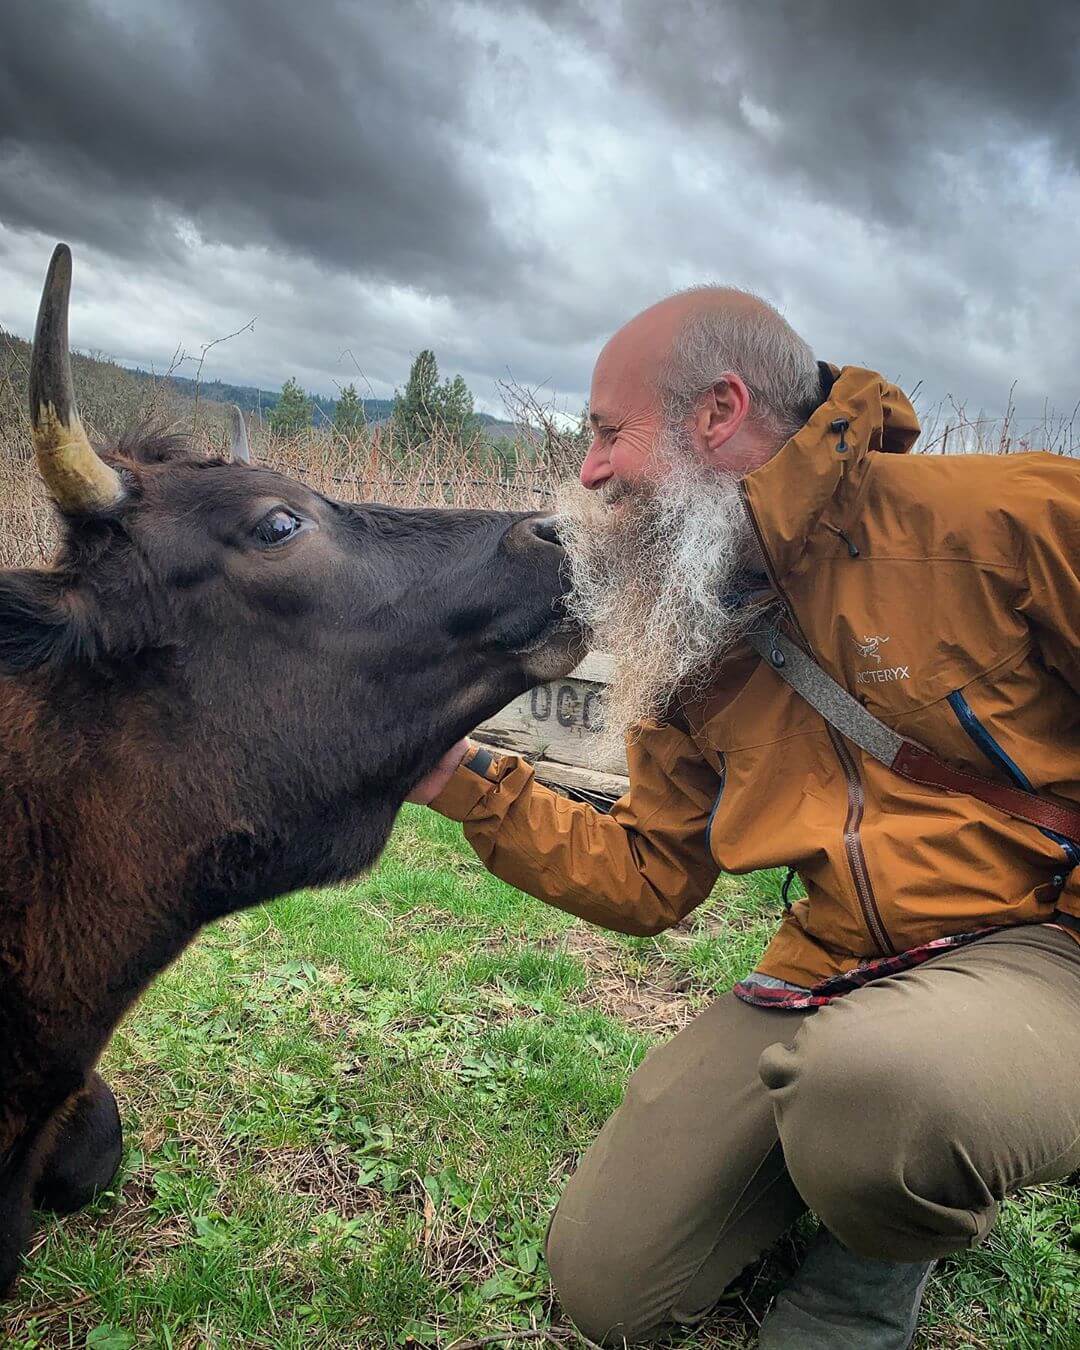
(275, 527)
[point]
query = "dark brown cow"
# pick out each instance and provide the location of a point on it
(221, 690)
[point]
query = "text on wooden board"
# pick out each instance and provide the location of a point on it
(570, 707)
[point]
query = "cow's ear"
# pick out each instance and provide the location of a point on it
(39, 624)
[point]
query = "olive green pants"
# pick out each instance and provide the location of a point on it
(901, 1115)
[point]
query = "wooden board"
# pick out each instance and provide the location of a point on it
(585, 783)
(553, 725)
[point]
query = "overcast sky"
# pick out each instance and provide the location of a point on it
(507, 183)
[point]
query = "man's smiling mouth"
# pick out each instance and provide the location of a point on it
(615, 494)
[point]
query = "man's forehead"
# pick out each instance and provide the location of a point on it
(628, 367)
(623, 380)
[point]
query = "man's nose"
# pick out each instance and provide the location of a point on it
(595, 468)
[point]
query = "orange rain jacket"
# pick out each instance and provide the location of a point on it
(944, 592)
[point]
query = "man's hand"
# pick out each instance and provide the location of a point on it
(433, 783)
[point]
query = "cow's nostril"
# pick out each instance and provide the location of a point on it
(547, 528)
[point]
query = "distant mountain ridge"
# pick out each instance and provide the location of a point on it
(113, 394)
(251, 399)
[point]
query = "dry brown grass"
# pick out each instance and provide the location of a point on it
(659, 1000)
(370, 465)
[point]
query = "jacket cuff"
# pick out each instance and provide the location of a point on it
(467, 786)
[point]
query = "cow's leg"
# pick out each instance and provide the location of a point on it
(16, 1205)
(85, 1151)
(26, 1140)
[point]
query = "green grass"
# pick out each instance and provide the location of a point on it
(349, 1114)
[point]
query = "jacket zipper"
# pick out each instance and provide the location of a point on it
(856, 793)
(982, 738)
(716, 803)
(864, 887)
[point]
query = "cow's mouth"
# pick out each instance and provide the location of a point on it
(549, 633)
(528, 632)
(557, 647)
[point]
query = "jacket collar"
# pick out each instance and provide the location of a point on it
(825, 460)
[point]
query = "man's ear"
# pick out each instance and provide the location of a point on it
(39, 624)
(723, 410)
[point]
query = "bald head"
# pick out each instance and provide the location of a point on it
(720, 362)
(645, 344)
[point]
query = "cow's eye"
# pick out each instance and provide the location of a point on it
(275, 527)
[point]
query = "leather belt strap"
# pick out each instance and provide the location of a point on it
(841, 710)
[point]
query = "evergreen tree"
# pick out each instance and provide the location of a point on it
(292, 412)
(458, 414)
(414, 415)
(349, 412)
(427, 409)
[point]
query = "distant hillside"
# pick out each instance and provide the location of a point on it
(252, 399)
(112, 396)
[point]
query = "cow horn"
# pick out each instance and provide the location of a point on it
(241, 451)
(79, 481)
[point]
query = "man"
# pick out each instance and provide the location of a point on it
(906, 1054)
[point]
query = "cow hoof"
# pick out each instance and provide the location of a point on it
(85, 1155)
(9, 1274)
(16, 1224)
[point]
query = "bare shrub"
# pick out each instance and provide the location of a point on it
(373, 465)
(368, 464)
(949, 429)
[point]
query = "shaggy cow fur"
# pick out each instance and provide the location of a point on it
(221, 690)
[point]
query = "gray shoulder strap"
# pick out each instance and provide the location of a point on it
(1057, 815)
(822, 692)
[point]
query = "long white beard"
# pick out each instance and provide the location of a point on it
(650, 578)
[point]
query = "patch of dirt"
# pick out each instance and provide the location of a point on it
(327, 1172)
(661, 1002)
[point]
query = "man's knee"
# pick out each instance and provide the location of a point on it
(873, 1140)
(602, 1286)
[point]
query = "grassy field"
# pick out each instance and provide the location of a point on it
(348, 1116)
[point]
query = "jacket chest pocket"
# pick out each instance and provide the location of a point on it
(988, 741)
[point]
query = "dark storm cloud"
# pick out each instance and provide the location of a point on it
(326, 130)
(507, 181)
(860, 99)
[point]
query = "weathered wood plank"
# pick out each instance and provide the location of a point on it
(557, 722)
(584, 781)
(596, 667)
(553, 726)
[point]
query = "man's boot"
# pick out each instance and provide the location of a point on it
(840, 1301)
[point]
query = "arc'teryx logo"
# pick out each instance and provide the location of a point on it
(870, 649)
(870, 646)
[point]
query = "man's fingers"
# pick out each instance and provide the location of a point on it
(429, 787)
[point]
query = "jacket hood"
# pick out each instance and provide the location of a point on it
(822, 464)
